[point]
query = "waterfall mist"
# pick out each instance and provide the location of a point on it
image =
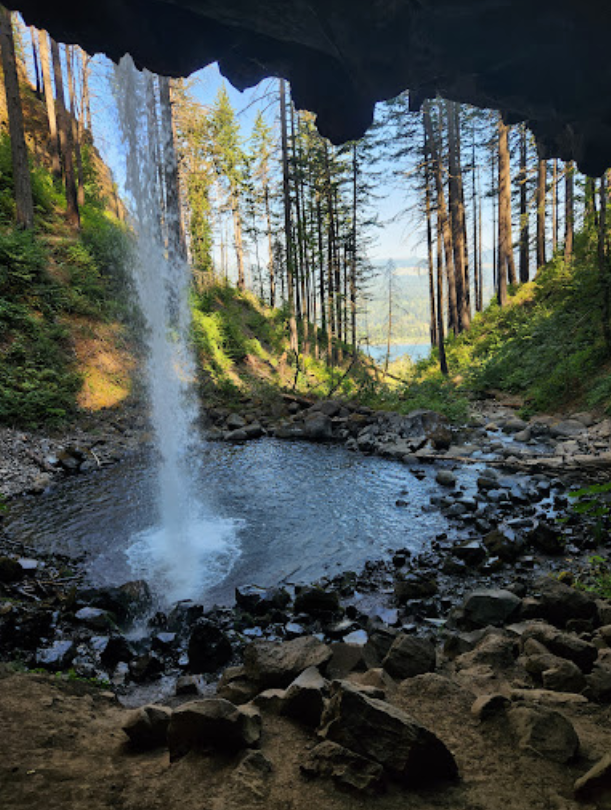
(187, 548)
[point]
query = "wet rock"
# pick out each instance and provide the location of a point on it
(212, 724)
(235, 422)
(501, 546)
(209, 648)
(546, 732)
(259, 601)
(96, 618)
(184, 615)
(349, 771)
(318, 427)
(10, 570)
(547, 539)
(147, 727)
(111, 650)
(445, 478)
(495, 607)
(316, 602)
(304, 699)
(239, 435)
(595, 785)
(488, 706)
(58, 656)
(380, 732)
(414, 586)
(271, 664)
(126, 602)
(145, 667)
(187, 685)
(567, 428)
(409, 656)
(164, 642)
(470, 553)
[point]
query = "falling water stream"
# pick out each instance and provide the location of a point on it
(187, 548)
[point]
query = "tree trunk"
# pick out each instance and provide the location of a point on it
(554, 205)
(457, 216)
(65, 140)
(443, 363)
(272, 278)
(429, 244)
(294, 342)
(22, 184)
(442, 214)
(476, 271)
(76, 133)
(569, 211)
(355, 169)
(36, 62)
(176, 240)
(524, 229)
(85, 95)
(541, 202)
(506, 266)
(603, 264)
(50, 102)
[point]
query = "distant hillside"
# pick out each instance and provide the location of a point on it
(410, 295)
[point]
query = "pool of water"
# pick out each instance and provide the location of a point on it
(299, 512)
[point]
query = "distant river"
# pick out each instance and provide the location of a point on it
(416, 351)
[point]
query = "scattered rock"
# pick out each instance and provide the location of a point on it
(212, 724)
(545, 732)
(377, 731)
(595, 785)
(348, 770)
(487, 706)
(209, 647)
(445, 478)
(271, 664)
(147, 727)
(495, 606)
(305, 697)
(316, 601)
(409, 656)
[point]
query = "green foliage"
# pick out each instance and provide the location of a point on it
(596, 579)
(592, 505)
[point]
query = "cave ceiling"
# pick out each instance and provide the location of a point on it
(547, 62)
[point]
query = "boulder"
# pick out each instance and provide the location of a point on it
(564, 676)
(316, 601)
(546, 538)
(126, 602)
(305, 697)
(557, 603)
(259, 601)
(96, 618)
(58, 656)
(235, 686)
(209, 647)
(595, 785)
(415, 586)
(272, 664)
(346, 658)
(378, 644)
(10, 570)
(470, 552)
(235, 422)
(147, 727)
(487, 706)
(599, 683)
(212, 724)
(565, 645)
(445, 478)
(111, 650)
(495, 606)
(494, 650)
(409, 656)
(348, 770)
(545, 732)
(318, 427)
(385, 734)
(145, 667)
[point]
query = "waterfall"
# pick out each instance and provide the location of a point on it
(187, 549)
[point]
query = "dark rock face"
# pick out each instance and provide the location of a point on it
(384, 734)
(209, 647)
(536, 62)
(147, 727)
(271, 665)
(348, 770)
(409, 656)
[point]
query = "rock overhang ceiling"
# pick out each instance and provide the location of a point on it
(547, 62)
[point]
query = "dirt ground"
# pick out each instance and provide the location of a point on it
(61, 746)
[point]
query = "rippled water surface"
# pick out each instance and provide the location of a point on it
(301, 511)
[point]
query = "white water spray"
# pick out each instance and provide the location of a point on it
(189, 549)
